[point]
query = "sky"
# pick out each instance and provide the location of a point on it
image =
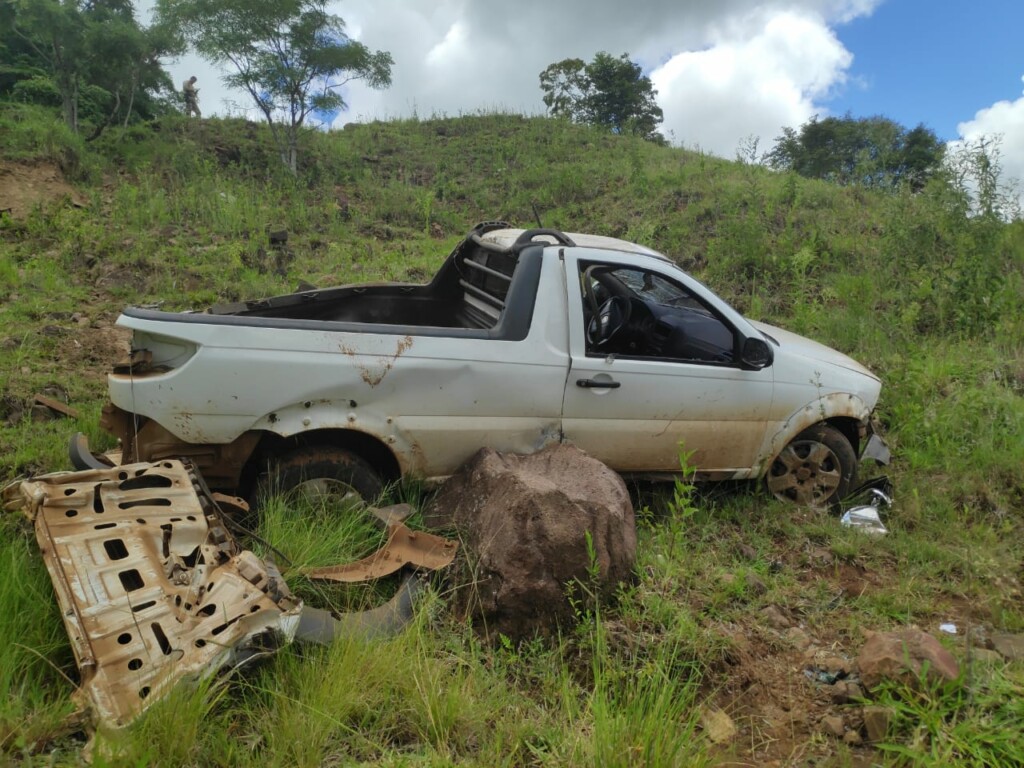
(727, 72)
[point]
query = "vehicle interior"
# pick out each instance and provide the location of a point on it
(632, 312)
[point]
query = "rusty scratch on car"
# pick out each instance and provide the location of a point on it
(374, 374)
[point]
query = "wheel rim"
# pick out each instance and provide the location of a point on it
(325, 491)
(806, 472)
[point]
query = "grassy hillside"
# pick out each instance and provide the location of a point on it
(176, 214)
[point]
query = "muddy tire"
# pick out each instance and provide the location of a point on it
(321, 473)
(817, 469)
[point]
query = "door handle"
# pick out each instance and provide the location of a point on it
(595, 384)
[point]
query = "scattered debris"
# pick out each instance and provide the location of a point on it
(134, 553)
(818, 675)
(404, 547)
(52, 408)
(865, 517)
(948, 628)
(154, 589)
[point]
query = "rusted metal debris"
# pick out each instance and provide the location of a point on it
(154, 589)
(404, 547)
(55, 406)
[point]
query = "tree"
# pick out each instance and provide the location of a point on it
(90, 54)
(872, 151)
(290, 56)
(609, 92)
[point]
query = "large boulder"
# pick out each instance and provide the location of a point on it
(524, 523)
(904, 654)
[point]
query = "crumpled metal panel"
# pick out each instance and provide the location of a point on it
(152, 587)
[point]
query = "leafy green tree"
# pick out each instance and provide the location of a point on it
(84, 54)
(872, 151)
(609, 92)
(290, 56)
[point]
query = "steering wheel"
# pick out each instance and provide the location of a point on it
(609, 319)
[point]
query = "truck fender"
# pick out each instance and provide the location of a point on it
(340, 415)
(835, 405)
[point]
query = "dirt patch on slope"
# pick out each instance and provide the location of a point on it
(24, 186)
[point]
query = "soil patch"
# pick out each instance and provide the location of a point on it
(24, 186)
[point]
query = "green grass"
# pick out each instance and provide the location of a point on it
(908, 285)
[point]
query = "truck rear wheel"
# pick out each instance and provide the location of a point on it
(321, 474)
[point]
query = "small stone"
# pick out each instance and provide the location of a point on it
(800, 639)
(755, 584)
(822, 555)
(719, 726)
(1010, 647)
(748, 552)
(775, 618)
(980, 636)
(40, 413)
(727, 579)
(852, 738)
(839, 693)
(907, 653)
(836, 665)
(833, 726)
(985, 656)
(876, 722)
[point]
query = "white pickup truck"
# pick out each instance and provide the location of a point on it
(523, 338)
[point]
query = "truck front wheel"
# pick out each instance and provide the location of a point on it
(321, 474)
(817, 468)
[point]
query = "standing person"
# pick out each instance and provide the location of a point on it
(191, 97)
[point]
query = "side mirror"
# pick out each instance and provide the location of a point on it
(756, 354)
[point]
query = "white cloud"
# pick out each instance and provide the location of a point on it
(741, 87)
(1004, 119)
(724, 70)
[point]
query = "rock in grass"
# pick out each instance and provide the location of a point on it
(876, 722)
(1010, 647)
(833, 726)
(908, 653)
(718, 726)
(535, 528)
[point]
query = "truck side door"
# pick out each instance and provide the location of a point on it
(668, 378)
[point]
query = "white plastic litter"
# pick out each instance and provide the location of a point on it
(866, 518)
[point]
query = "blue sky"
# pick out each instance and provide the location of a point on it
(936, 63)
